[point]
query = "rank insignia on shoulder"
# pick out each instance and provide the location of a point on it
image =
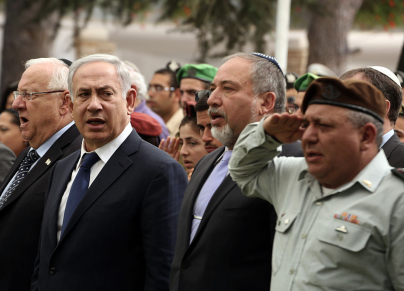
(399, 172)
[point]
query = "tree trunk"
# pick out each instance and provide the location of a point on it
(24, 39)
(328, 33)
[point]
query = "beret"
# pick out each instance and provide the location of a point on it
(203, 72)
(303, 82)
(145, 124)
(351, 94)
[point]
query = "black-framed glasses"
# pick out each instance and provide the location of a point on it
(159, 88)
(201, 94)
(28, 96)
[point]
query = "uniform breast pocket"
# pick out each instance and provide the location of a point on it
(340, 256)
(282, 235)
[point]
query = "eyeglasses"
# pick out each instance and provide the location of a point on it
(28, 96)
(202, 94)
(159, 88)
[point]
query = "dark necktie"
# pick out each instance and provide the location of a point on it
(79, 187)
(22, 172)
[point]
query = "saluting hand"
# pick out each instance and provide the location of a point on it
(284, 127)
(171, 146)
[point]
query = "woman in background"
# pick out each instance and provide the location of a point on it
(190, 140)
(10, 133)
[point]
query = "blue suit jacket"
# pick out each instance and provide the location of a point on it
(123, 232)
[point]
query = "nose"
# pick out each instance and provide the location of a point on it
(215, 99)
(310, 135)
(184, 151)
(18, 103)
(94, 104)
(207, 135)
(150, 92)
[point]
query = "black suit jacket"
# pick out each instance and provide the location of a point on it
(122, 234)
(232, 247)
(394, 150)
(21, 215)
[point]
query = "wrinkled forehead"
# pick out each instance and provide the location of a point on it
(36, 76)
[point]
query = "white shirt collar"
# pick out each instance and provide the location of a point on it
(107, 150)
(386, 137)
(43, 148)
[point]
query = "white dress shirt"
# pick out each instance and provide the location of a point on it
(105, 153)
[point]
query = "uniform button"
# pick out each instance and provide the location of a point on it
(291, 271)
(319, 203)
(286, 221)
(52, 271)
(304, 236)
(184, 265)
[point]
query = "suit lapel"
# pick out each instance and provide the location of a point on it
(54, 199)
(113, 169)
(202, 174)
(221, 192)
(44, 163)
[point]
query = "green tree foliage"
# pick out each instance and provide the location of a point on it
(234, 22)
(381, 13)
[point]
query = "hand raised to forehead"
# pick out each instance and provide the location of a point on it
(284, 127)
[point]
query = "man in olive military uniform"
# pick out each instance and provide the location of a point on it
(341, 207)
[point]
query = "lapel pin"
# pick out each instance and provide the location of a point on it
(367, 183)
(48, 162)
(342, 229)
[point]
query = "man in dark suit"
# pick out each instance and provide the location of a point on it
(387, 82)
(111, 208)
(47, 124)
(224, 240)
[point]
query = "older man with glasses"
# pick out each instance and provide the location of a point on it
(47, 125)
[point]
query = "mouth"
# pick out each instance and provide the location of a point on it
(210, 148)
(188, 164)
(23, 122)
(312, 156)
(95, 122)
(216, 116)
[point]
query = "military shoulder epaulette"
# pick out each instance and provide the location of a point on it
(399, 172)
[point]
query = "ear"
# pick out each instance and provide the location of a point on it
(266, 103)
(368, 136)
(176, 95)
(387, 107)
(130, 100)
(64, 103)
(70, 104)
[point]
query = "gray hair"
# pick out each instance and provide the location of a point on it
(137, 79)
(123, 74)
(58, 80)
(265, 77)
(359, 119)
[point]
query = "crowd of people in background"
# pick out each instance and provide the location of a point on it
(241, 177)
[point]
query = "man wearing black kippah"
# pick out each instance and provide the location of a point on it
(341, 207)
(224, 240)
